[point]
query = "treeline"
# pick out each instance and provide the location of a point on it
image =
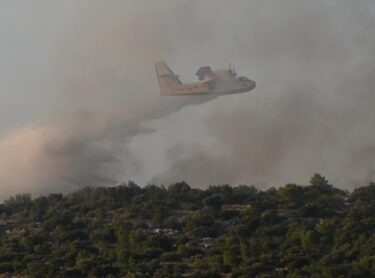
(314, 230)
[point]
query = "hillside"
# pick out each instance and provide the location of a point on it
(313, 230)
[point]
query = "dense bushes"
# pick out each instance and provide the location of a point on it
(129, 231)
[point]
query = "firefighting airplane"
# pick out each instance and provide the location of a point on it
(217, 82)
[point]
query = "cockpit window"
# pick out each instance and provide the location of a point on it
(243, 78)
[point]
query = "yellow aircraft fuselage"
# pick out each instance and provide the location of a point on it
(218, 82)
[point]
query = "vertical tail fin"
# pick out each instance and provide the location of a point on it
(166, 77)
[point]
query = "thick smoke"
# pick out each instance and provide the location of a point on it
(106, 88)
(311, 112)
(89, 150)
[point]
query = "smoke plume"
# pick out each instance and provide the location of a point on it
(95, 116)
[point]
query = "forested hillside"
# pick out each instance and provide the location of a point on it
(314, 230)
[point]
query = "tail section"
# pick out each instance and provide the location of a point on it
(166, 77)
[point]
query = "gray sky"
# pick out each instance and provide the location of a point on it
(80, 103)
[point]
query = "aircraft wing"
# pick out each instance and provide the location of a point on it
(205, 74)
(207, 79)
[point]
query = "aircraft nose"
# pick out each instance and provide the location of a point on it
(252, 84)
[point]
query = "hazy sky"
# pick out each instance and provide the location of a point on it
(80, 103)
